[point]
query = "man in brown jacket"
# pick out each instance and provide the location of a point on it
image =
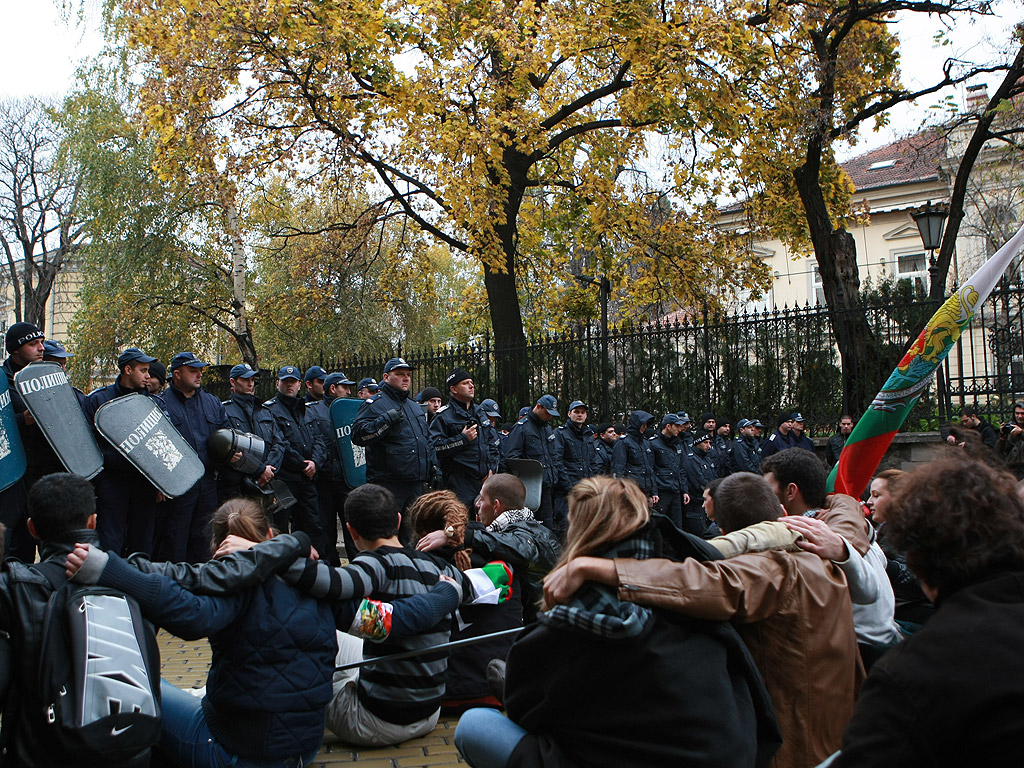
(792, 608)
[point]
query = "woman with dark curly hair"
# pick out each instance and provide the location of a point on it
(953, 693)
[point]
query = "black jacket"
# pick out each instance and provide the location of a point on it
(721, 452)
(700, 471)
(835, 446)
(246, 414)
(746, 455)
(950, 694)
(574, 450)
(22, 614)
(603, 457)
(458, 455)
(633, 457)
(393, 429)
(668, 458)
(532, 438)
(112, 460)
(319, 414)
(302, 440)
(196, 418)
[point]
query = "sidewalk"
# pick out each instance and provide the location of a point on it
(186, 663)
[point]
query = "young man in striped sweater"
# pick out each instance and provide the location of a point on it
(393, 701)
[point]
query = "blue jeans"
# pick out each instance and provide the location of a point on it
(185, 737)
(486, 738)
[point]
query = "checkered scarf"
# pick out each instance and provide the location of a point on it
(596, 609)
(509, 516)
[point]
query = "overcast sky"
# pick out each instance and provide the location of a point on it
(41, 51)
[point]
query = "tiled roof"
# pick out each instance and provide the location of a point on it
(905, 161)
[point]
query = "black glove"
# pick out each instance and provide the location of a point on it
(394, 416)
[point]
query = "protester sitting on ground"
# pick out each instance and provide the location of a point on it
(507, 530)
(951, 694)
(913, 608)
(388, 702)
(798, 479)
(603, 682)
(273, 653)
(792, 609)
(441, 512)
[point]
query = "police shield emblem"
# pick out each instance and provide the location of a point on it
(53, 404)
(353, 457)
(12, 454)
(137, 427)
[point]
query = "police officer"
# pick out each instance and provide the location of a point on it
(633, 457)
(183, 525)
(314, 381)
(800, 440)
(686, 431)
(393, 429)
(746, 450)
(532, 438)
(721, 447)
(700, 471)
(157, 378)
(781, 438)
(604, 444)
(246, 414)
(126, 502)
(367, 388)
(305, 452)
(493, 414)
(331, 488)
(24, 344)
(669, 476)
(574, 453)
(468, 448)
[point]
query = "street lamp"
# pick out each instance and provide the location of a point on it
(931, 220)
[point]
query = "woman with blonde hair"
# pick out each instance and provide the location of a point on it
(603, 682)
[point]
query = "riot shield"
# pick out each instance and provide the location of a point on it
(53, 404)
(531, 472)
(12, 454)
(137, 427)
(353, 457)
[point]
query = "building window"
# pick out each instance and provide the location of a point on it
(912, 265)
(819, 290)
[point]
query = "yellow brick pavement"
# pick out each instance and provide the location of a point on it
(186, 663)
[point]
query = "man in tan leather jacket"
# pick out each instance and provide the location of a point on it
(791, 607)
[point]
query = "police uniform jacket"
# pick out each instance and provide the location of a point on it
(633, 457)
(602, 457)
(319, 412)
(721, 452)
(700, 471)
(248, 415)
(669, 476)
(112, 460)
(777, 442)
(196, 418)
(746, 455)
(533, 438)
(457, 454)
(574, 447)
(397, 449)
(803, 441)
(302, 440)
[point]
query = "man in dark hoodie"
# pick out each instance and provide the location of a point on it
(305, 452)
(700, 471)
(633, 456)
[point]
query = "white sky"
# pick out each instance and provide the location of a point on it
(41, 50)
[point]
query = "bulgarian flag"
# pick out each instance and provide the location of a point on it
(874, 432)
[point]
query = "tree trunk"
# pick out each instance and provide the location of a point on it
(836, 253)
(242, 331)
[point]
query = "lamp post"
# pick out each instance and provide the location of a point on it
(931, 220)
(604, 287)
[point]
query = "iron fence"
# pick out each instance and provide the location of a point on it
(745, 365)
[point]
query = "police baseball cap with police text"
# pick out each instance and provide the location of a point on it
(186, 358)
(578, 404)
(242, 371)
(367, 383)
(395, 363)
(289, 372)
(490, 408)
(133, 355)
(549, 404)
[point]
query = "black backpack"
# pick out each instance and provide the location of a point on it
(98, 672)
